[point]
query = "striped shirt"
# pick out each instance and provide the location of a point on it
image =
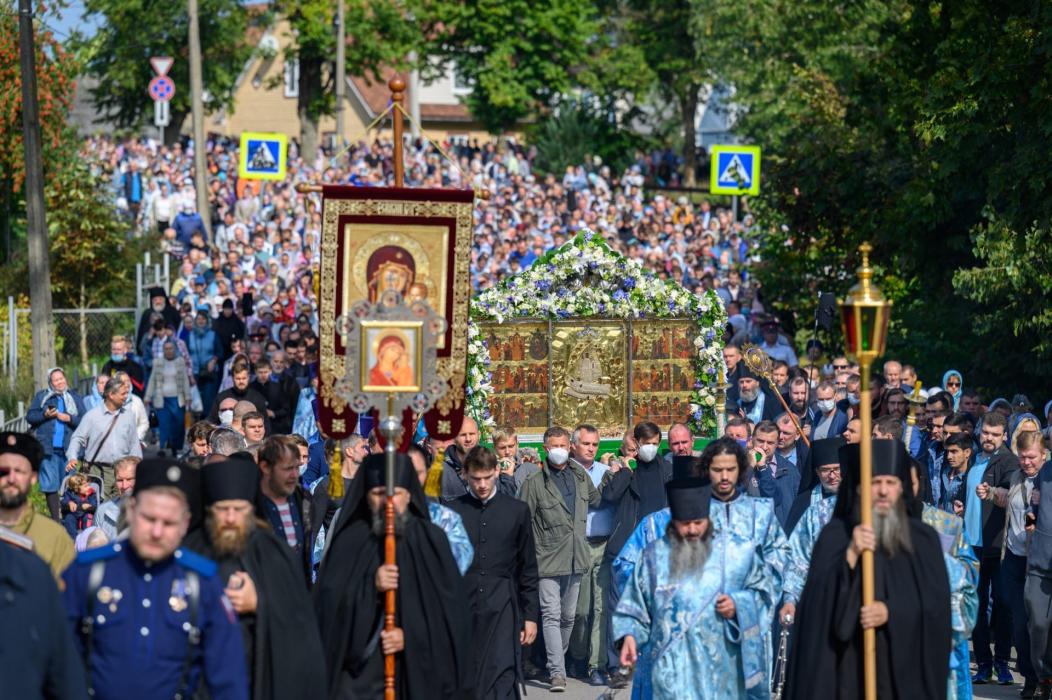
(286, 523)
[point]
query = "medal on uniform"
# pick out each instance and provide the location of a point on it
(177, 600)
(105, 595)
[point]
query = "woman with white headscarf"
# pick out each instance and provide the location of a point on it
(53, 415)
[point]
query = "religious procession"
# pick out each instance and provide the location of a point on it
(368, 350)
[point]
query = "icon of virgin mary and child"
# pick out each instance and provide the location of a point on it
(391, 267)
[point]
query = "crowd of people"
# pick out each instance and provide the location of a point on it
(204, 529)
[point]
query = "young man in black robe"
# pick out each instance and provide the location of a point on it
(911, 612)
(502, 580)
(431, 640)
(265, 584)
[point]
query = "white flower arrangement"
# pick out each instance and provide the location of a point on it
(586, 278)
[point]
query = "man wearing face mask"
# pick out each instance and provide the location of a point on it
(559, 497)
(119, 361)
(829, 421)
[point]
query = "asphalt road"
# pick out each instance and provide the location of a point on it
(577, 690)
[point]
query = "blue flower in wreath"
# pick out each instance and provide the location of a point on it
(698, 385)
(620, 295)
(672, 306)
(629, 283)
(562, 313)
(710, 335)
(561, 292)
(697, 415)
(543, 285)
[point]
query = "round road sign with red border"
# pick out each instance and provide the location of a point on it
(161, 89)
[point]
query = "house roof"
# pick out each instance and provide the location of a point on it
(375, 95)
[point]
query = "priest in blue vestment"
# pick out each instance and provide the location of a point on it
(696, 607)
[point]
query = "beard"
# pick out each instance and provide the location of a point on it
(380, 525)
(749, 395)
(230, 540)
(893, 530)
(688, 556)
(829, 490)
(10, 501)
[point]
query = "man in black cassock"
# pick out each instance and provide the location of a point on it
(431, 641)
(264, 582)
(502, 580)
(911, 612)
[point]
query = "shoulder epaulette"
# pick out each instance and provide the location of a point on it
(108, 551)
(195, 562)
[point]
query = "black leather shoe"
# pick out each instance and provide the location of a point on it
(597, 678)
(620, 678)
(1042, 692)
(1028, 689)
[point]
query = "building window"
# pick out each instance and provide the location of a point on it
(292, 78)
(462, 85)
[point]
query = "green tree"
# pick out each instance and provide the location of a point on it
(522, 56)
(56, 70)
(133, 31)
(922, 128)
(380, 34)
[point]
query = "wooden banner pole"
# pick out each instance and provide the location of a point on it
(397, 86)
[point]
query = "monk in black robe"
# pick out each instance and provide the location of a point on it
(502, 580)
(911, 612)
(265, 584)
(431, 641)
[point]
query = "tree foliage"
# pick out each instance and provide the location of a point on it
(380, 33)
(922, 128)
(56, 70)
(133, 31)
(521, 55)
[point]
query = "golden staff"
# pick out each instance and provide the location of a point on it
(864, 315)
(760, 363)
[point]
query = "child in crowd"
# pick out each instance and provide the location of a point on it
(79, 503)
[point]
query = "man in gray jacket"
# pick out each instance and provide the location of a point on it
(559, 497)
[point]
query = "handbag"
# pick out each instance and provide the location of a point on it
(196, 405)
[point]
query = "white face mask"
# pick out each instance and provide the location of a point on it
(226, 417)
(558, 456)
(647, 453)
(826, 405)
(853, 400)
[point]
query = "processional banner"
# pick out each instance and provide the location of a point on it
(413, 241)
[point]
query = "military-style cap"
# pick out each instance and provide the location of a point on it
(156, 472)
(23, 444)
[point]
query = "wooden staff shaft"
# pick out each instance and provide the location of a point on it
(389, 597)
(869, 636)
(389, 428)
(792, 416)
(397, 86)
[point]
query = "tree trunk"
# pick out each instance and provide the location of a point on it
(306, 107)
(174, 131)
(688, 109)
(83, 327)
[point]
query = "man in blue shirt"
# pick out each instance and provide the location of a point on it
(984, 524)
(151, 618)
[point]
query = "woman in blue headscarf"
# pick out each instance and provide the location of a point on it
(953, 384)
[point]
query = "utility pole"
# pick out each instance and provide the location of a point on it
(198, 117)
(341, 70)
(36, 223)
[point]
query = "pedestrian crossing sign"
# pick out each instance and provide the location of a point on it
(262, 156)
(735, 170)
